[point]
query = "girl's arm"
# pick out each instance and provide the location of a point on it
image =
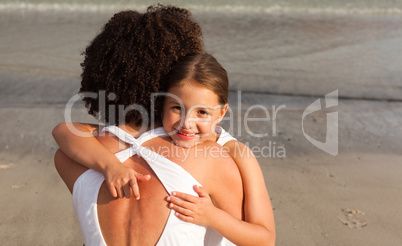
(258, 227)
(78, 142)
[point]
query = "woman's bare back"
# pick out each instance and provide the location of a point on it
(129, 221)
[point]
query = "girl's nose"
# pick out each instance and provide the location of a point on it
(187, 122)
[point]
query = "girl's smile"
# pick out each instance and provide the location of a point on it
(185, 135)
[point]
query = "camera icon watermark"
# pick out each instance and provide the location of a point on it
(330, 145)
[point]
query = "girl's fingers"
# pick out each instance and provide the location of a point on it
(184, 218)
(112, 190)
(180, 202)
(119, 192)
(200, 191)
(184, 196)
(180, 210)
(141, 177)
(127, 191)
(135, 188)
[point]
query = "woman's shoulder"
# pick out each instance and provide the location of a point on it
(237, 149)
(217, 159)
(213, 151)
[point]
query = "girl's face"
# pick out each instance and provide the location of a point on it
(191, 113)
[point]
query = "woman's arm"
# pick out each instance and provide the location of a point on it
(258, 227)
(82, 147)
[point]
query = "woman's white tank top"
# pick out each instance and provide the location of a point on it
(176, 232)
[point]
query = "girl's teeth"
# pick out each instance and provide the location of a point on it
(192, 134)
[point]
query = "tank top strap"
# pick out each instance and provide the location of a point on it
(127, 138)
(157, 132)
(224, 136)
(166, 170)
(122, 135)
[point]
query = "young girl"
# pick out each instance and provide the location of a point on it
(195, 103)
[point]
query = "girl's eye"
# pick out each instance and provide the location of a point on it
(203, 112)
(176, 108)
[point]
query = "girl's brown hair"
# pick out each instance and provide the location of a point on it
(202, 69)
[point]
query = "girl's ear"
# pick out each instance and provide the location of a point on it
(223, 112)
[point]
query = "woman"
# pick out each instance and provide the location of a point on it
(135, 51)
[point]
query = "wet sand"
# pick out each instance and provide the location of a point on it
(318, 199)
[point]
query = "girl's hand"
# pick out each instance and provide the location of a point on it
(122, 181)
(198, 210)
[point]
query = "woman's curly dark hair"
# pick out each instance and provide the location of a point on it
(131, 55)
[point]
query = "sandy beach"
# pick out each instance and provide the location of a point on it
(351, 198)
